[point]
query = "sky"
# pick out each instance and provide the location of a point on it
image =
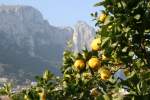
(60, 12)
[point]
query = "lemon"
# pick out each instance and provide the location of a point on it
(102, 17)
(95, 45)
(105, 73)
(79, 64)
(94, 63)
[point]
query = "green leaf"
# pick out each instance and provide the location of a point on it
(107, 20)
(106, 97)
(137, 17)
(124, 4)
(131, 53)
(105, 41)
(124, 49)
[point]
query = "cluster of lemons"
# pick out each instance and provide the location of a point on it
(94, 62)
(102, 18)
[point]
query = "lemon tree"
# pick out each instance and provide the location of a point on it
(119, 60)
(125, 42)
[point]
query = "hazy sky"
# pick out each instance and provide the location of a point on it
(60, 12)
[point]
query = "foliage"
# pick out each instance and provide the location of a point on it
(125, 41)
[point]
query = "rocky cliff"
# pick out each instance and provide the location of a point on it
(29, 44)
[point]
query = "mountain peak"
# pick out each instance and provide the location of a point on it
(12, 7)
(83, 35)
(80, 22)
(29, 42)
(83, 25)
(16, 8)
(21, 11)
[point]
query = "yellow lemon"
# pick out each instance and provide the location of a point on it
(102, 17)
(79, 64)
(105, 73)
(94, 63)
(95, 45)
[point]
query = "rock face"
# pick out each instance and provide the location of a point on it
(82, 36)
(29, 44)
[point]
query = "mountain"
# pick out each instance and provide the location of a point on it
(82, 36)
(29, 44)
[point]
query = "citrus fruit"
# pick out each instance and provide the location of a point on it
(94, 63)
(102, 17)
(95, 45)
(79, 64)
(105, 73)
